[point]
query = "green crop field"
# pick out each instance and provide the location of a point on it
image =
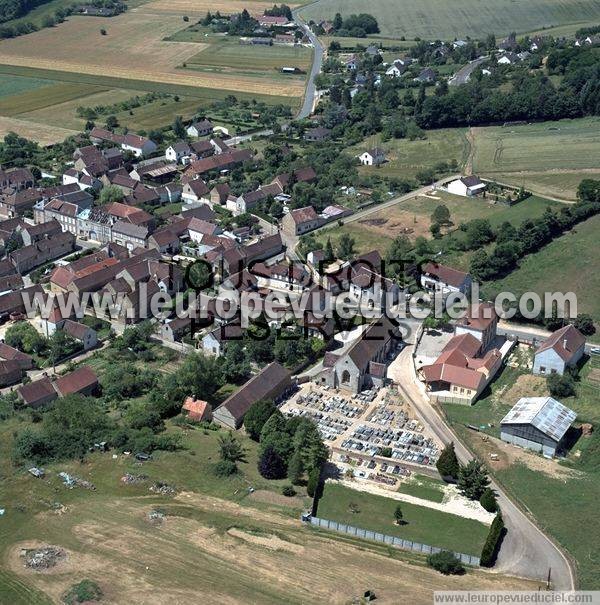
(15, 85)
(548, 157)
(568, 264)
(424, 525)
(439, 19)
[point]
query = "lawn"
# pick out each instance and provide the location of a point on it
(424, 525)
(405, 158)
(439, 19)
(570, 263)
(549, 157)
(421, 486)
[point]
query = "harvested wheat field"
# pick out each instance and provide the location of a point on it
(43, 134)
(200, 7)
(133, 49)
(211, 550)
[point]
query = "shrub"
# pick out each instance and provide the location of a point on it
(492, 542)
(488, 500)
(288, 490)
(225, 468)
(84, 591)
(561, 386)
(445, 562)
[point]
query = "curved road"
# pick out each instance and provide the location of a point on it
(311, 91)
(526, 551)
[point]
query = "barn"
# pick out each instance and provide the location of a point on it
(538, 424)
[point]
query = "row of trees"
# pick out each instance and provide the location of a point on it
(513, 243)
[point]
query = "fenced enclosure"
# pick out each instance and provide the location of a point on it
(367, 534)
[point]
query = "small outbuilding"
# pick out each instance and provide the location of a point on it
(537, 423)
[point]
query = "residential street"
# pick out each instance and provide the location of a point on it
(464, 73)
(310, 92)
(526, 551)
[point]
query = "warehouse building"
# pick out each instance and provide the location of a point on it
(537, 423)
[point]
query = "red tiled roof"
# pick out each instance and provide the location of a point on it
(448, 275)
(76, 382)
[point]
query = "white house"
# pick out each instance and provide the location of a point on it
(396, 69)
(562, 349)
(139, 146)
(177, 152)
(466, 186)
(440, 278)
(372, 157)
(200, 129)
(508, 58)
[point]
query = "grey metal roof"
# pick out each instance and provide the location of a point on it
(544, 413)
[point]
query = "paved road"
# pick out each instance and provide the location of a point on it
(464, 73)
(531, 333)
(310, 93)
(267, 132)
(526, 550)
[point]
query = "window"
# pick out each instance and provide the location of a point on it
(542, 370)
(346, 377)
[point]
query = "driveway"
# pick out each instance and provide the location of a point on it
(526, 551)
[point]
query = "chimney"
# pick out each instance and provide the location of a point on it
(565, 344)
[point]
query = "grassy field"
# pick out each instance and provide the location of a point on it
(424, 525)
(563, 501)
(421, 486)
(405, 158)
(549, 157)
(438, 19)
(568, 264)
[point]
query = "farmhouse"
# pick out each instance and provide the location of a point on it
(272, 382)
(537, 423)
(195, 191)
(83, 380)
(561, 350)
(508, 58)
(466, 186)
(300, 220)
(317, 134)
(440, 278)
(81, 333)
(372, 157)
(200, 129)
(37, 393)
(139, 146)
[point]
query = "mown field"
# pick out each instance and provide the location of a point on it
(219, 54)
(405, 158)
(424, 525)
(548, 157)
(438, 19)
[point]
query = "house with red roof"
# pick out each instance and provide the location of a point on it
(461, 371)
(196, 409)
(561, 350)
